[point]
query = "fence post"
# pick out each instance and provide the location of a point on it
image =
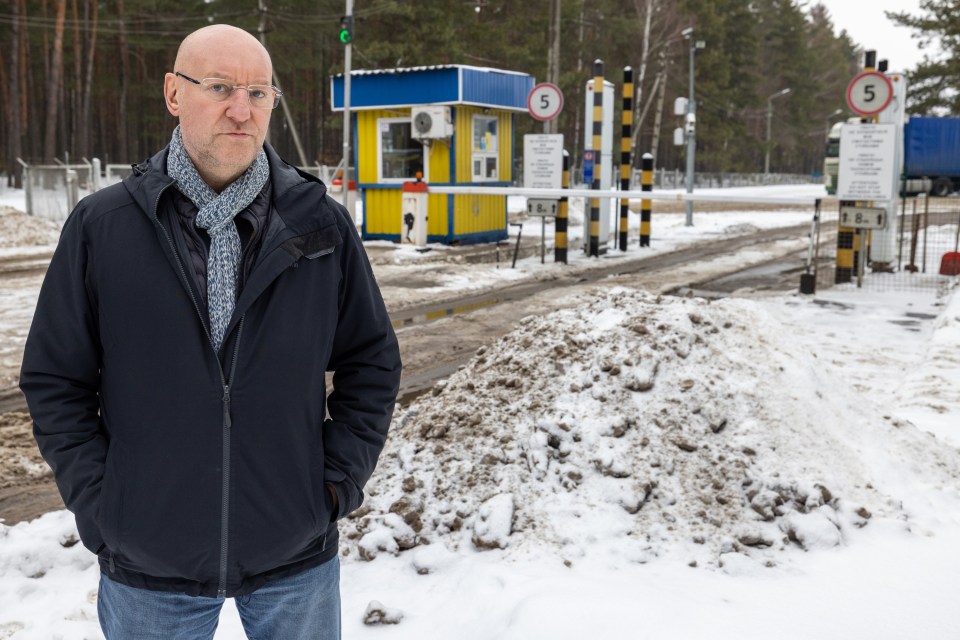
(73, 190)
(95, 175)
(27, 187)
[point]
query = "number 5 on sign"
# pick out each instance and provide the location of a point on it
(869, 93)
(545, 101)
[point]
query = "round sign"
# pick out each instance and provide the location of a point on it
(869, 93)
(545, 101)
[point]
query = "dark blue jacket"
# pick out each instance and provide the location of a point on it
(187, 469)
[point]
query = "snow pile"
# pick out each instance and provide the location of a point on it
(664, 427)
(18, 229)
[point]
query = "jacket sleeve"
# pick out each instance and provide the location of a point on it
(60, 379)
(366, 364)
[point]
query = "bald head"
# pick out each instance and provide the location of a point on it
(199, 44)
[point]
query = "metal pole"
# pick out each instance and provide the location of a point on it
(553, 62)
(347, 54)
(691, 137)
(766, 155)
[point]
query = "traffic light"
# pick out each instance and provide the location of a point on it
(346, 29)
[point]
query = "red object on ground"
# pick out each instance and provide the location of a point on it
(338, 183)
(950, 264)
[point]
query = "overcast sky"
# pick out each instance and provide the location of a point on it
(871, 29)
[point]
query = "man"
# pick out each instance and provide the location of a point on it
(175, 369)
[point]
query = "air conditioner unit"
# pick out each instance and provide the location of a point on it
(431, 123)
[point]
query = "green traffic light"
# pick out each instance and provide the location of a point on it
(346, 29)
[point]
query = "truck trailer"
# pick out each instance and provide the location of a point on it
(931, 155)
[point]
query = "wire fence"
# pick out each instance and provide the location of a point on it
(926, 249)
(53, 190)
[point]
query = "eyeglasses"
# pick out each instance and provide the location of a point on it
(261, 96)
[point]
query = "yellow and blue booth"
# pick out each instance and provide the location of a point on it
(453, 123)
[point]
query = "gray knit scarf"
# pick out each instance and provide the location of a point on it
(216, 213)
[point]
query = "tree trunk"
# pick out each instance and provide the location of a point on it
(14, 139)
(54, 83)
(641, 75)
(123, 151)
(85, 120)
(72, 139)
(658, 116)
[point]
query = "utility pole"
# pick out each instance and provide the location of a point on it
(262, 29)
(690, 126)
(347, 53)
(553, 59)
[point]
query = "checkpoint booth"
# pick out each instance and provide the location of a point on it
(452, 123)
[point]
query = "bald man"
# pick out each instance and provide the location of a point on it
(175, 369)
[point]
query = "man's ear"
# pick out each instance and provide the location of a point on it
(171, 95)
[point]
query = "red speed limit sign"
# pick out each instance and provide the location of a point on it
(545, 101)
(869, 93)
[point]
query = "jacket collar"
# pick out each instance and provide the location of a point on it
(149, 179)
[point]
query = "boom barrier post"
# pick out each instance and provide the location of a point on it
(626, 135)
(593, 247)
(646, 184)
(560, 230)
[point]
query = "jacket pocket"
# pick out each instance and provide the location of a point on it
(322, 502)
(110, 510)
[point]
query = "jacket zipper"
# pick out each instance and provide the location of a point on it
(225, 384)
(225, 497)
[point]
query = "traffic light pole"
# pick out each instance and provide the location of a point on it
(347, 53)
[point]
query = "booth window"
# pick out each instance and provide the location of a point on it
(485, 148)
(400, 157)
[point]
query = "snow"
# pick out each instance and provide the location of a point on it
(637, 466)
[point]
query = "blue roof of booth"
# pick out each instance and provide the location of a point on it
(445, 84)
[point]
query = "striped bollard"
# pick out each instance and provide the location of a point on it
(593, 248)
(560, 222)
(626, 135)
(646, 181)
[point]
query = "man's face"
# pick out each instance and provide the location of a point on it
(221, 138)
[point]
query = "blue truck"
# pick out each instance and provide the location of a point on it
(931, 155)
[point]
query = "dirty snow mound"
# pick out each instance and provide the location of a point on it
(17, 229)
(667, 427)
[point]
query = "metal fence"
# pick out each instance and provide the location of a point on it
(676, 179)
(53, 190)
(927, 248)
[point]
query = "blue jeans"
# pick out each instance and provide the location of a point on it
(303, 606)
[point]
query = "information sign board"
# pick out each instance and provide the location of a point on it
(588, 161)
(543, 160)
(867, 161)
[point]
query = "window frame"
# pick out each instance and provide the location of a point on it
(484, 155)
(423, 151)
